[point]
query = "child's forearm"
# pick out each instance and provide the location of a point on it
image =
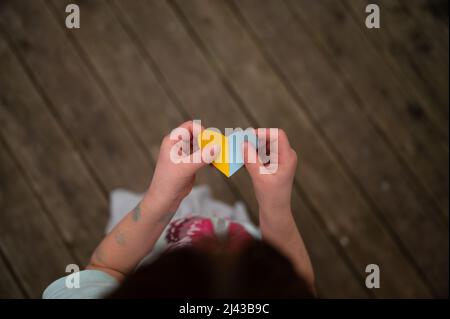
(132, 239)
(278, 227)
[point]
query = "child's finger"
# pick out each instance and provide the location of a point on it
(193, 127)
(203, 157)
(210, 153)
(278, 145)
(282, 142)
(251, 159)
(186, 132)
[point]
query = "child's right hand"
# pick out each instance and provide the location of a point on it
(273, 191)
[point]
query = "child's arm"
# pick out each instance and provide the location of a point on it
(134, 237)
(273, 193)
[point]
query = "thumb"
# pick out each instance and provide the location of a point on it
(251, 159)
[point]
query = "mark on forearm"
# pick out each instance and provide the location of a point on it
(120, 238)
(136, 213)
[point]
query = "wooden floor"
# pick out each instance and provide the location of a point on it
(82, 112)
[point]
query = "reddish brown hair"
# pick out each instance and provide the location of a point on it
(212, 270)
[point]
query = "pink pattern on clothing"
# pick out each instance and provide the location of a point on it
(186, 231)
(237, 235)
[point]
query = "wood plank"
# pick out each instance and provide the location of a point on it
(9, 288)
(425, 52)
(199, 89)
(432, 16)
(437, 11)
(76, 98)
(354, 141)
(424, 68)
(54, 168)
(260, 89)
(130, 81)
(64, 183)
(27, 238)
(380, 94)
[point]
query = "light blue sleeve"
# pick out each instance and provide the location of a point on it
(94, 284)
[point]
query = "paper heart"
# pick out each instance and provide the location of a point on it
(230, 159)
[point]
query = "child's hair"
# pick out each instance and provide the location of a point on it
(212, 270)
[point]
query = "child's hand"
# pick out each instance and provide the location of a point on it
(136, 234)
(273, 192)
(173, 181)
(272, 181)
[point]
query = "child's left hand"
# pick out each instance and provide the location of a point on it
(173, 181)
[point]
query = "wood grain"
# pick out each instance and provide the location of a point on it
(9, 287)
(411, 55)
(76, 97)
(130, 81)
(49, 161)
(261, 91)
(28, 239)
(199, 88)
(396, 112)
(83, 111)
(348, 134)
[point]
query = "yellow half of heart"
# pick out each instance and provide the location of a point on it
(221, 162)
